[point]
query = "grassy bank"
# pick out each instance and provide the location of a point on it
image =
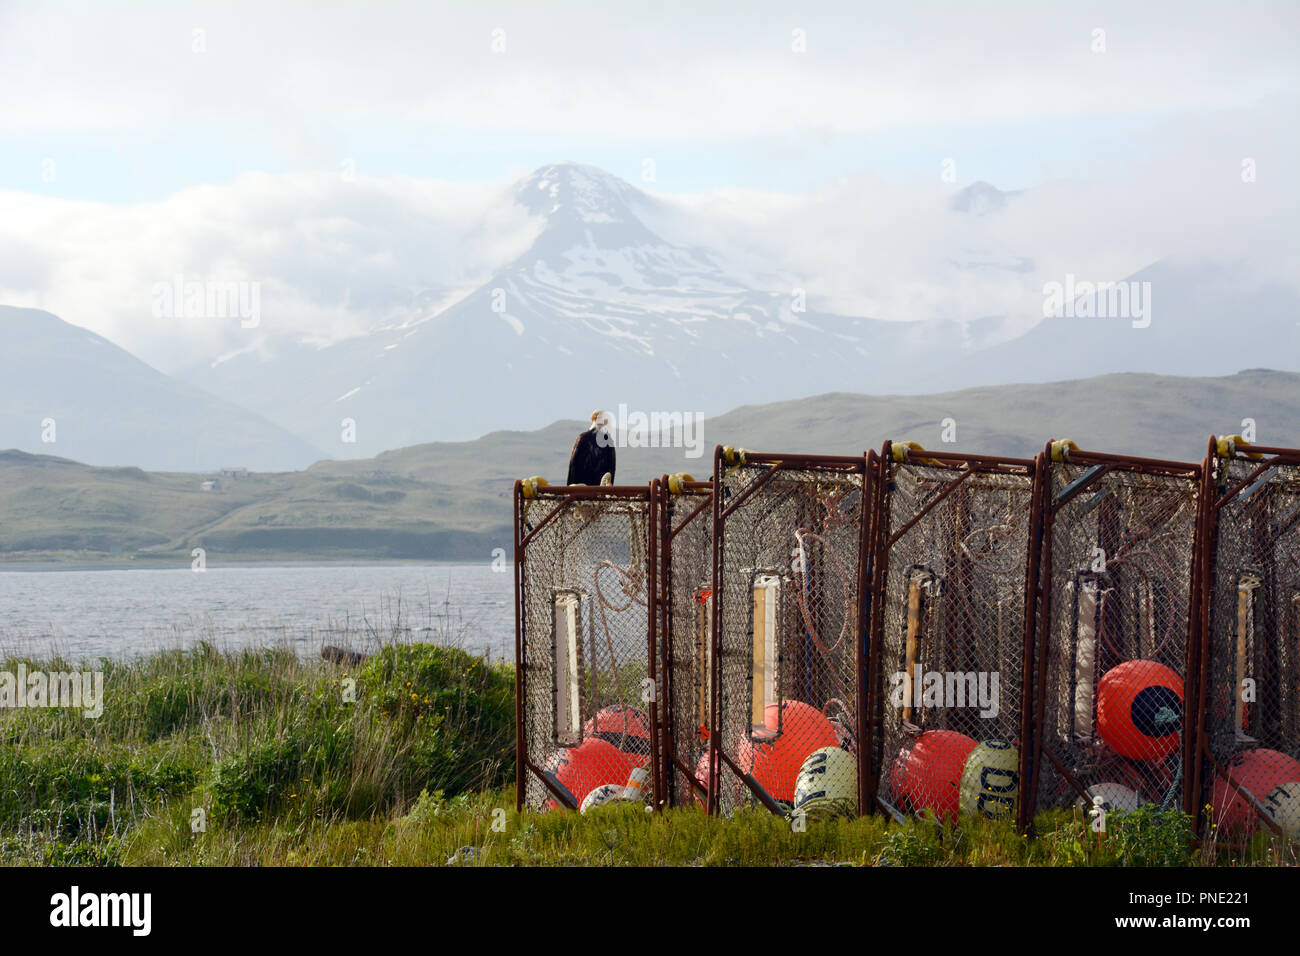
(258, 757)
(249, 737)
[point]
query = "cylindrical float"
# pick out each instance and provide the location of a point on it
(990, 781)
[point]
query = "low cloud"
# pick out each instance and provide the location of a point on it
(1213, 187)
(336, 256)
(332, 258)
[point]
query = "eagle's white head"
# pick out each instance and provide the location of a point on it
(601, 419)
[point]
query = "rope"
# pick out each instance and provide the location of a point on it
(633, 588)
(800, 534)
(1167, 717)
(1003, 540)
(833, 519)
(850, 719)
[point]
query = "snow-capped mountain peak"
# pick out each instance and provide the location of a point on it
(980, 199)
(580, 193)
(585, 209)
(602, 310)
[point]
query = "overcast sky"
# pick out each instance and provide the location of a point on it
(714, 91)
(138, 139)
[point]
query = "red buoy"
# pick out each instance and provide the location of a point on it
(1133, 700)
(626, 728)
(1259, 771)
(775, 762)
(927, 776)
(591, 764)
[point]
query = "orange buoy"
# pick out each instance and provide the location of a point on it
(927, 776)
(1259, 771)
(1130, 700)
(797, 730)
(627, 728)
(591, 764)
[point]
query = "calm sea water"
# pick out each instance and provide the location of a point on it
(87, 614)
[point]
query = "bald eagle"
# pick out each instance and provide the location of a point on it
(592, 460)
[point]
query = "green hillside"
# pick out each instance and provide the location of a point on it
(451, 500)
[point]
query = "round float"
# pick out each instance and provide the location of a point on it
(1131, 699)
(927, 775)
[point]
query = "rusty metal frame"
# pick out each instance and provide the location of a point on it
(875, 538)
(777, 462)
(1040, 623)
(699, 498)
(567, 496)
(1213, 502)
(873, 609)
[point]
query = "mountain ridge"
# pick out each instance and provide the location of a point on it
(451, 500)
(64, 388)
(601, 309)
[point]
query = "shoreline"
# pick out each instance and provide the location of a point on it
(227, 561)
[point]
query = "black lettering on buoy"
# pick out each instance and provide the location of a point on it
(992, 806)
(987, 775)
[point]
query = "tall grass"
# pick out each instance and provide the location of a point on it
(237, 757)
(248, 735)
(482, 829)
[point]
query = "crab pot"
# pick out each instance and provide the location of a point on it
(1116, 613)
(789, 534)
(1248, 767)
(951, 572)
(586, 670)
(684, 518)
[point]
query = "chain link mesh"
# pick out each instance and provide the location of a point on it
(1117, 567)
(760, 655)
(685, 641)
(953, 562)
(787, 651)
(1252, 695)
(586, 646)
